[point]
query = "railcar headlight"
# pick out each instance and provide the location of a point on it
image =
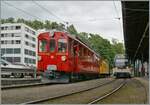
(39, 58)
(52, 57)
(63, 58)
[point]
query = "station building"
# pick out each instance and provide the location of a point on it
(19, 44)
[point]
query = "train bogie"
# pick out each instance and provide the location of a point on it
(122, 75)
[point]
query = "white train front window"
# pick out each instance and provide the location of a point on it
(42, 46)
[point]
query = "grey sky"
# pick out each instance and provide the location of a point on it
(87, 16)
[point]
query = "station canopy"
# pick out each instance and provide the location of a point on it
(136, 29)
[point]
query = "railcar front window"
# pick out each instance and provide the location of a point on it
(52, 45)
(121, 62)
(42, 46)
(62, 45)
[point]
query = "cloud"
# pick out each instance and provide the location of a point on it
(87, 16)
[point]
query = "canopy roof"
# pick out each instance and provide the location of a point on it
(136, 29)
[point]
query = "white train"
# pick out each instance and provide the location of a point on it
(16, 70)
(121, 69)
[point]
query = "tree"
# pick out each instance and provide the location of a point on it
(54, 25)
(37, 24)
(118, 47)
(10, 20)
(47, 25)
(2, 21)
(20, 20)
(84, 37)
(71, 29)
(103, 47)
(61, 27)
(114, 41)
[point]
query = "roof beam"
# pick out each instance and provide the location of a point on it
(143, 36)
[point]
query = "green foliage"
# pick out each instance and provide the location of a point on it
(102, 46)
(61, 27)
(9, 20)
(36, 24)
(84, 37)
(71, 29)
(118, 47)
(54, 25)
(47, 25)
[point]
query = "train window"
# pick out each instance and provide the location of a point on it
(43, 46)
(52, 45)
(70, 47)
(83, 51)
(62, 45)
(80, 51)
(89, 54)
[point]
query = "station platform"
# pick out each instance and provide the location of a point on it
(16, 81)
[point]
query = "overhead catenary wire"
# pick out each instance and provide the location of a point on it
(49, 12)
(116, 9)
(25, 12)
(118, 17)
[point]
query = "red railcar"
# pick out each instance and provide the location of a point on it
(61, 55)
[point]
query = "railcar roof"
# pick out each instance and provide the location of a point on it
(83, 43)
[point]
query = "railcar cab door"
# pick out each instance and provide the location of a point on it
(62, 52)
(76, 55)
(43, 41)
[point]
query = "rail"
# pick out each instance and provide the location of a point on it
(68, 94)
(108, 94)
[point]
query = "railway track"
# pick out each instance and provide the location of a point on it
(100, 93)
(145, 90)
(108, 94)
(68, 94)
(131, 91)
(26, 94)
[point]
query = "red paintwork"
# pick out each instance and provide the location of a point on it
(78, 64)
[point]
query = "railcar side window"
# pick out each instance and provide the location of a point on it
(62, 45)
(52, 45)
(42, 46)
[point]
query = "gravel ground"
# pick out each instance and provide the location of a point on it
(132, 93)
(22, 95)
(85, 97)
(145, 82)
